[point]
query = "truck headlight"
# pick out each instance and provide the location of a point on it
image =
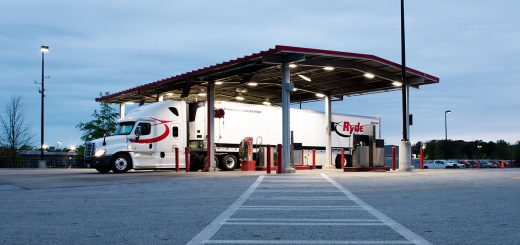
(100, 153)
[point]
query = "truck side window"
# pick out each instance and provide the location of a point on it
(175, 132)
(146, 128)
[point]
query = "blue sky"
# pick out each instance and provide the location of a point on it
(473, 46)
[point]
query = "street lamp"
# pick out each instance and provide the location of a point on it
(446, 132)
(43, 49)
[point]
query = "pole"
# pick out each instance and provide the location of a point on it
(280, 159)
(42, 154)
(421, 153)
(446, 126)
(268, 159)
(176, 159)
(286, 124)
(187, 158)
(313, 158)
(343, 159)
(393, 158)
(404, 90)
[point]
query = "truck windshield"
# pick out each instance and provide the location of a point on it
(124, 128)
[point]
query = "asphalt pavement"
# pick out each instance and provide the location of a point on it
(52, 206)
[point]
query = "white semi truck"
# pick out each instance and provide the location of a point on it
(147, 136)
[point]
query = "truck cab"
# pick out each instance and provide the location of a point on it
(145, 139)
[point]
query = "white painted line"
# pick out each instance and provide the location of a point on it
(301, 224)
(215, 225)
(405, 232)
(300, 209)
(301, 220)
(275, 190)
(320, 198)
(302, 206)
(334, 242)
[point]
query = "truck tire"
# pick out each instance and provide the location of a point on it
(337, 161)
(425, 167)
(229, 162)
(103, 170)
(121, 163)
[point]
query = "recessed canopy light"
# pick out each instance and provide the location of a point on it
(239, 98)
(267, 103)
(320, 95)
(369, 75)
(202, 94)
(293, 65)
(328, 68)
(252, 84)
(129, 102)
(294, 89)
(219, 83)
(169, 94)
(397, 84)
(306, 78)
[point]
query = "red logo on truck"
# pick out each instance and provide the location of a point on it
(155, 139)
(346, 129)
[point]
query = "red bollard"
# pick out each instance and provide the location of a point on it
(502, 165)
(279, 149)
(187, 156)
(268, 159)
(393, 158)
(313, 158)
(176, 159)
(478, 164)
(421, 153)
(343, 159)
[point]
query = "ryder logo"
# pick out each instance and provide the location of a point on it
(346, 129)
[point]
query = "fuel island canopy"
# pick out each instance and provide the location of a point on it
(278, 76)
(257, 78)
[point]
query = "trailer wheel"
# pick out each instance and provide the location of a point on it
(121, 163)
(229, 162)
(337, 161)
(103, 170)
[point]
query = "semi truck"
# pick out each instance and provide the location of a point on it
(148, 136)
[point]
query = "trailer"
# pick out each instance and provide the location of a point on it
(147, 137)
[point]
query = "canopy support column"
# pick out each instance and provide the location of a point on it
(286, 116)
(328, 130)
(210, 105)
(121, 111)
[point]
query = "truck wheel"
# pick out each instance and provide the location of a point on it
(425, 167)
(121, 163)
(337, 161)
(229, 162)
(103, 170)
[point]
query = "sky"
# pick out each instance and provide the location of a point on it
(95, 46)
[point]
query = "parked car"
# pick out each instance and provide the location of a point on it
(441, 164)
(486, 164)
(466, 163)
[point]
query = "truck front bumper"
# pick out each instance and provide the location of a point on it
(100, 162)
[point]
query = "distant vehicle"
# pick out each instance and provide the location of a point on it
(487, 164)
(473, 163)
(441, 164)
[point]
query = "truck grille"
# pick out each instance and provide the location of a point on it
(90, 149)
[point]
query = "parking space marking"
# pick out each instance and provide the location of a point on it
(301, 220)
(303, 242)
(215, 225)
(405, 232)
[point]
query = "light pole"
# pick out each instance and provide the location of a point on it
(405, 163)
(446, 132)
(43, 49)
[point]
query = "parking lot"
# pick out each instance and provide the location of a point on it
(470, 206)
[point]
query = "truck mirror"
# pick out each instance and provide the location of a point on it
(137, 133)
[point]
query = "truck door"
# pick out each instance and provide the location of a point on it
(143, 149)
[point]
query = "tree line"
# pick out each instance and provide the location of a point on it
(460, 149)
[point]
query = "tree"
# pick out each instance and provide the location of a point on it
(14, 132)
(104, 122)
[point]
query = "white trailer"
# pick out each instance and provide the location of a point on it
(147, 136)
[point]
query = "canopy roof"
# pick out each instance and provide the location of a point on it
(330, 72)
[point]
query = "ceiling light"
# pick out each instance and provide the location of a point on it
(202, 94)
(239, 98)
(252, 84)
(397, 84)
(293, 65)
(219, 83)
(294, 89)
(369, 75)
(328, 68)
(267, 103)
(320, 95)
(306, 78)
(169, 94)
(129, 102)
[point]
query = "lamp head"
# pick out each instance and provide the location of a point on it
(44, 49)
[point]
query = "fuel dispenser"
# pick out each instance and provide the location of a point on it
(368, 151)
(245, 153)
